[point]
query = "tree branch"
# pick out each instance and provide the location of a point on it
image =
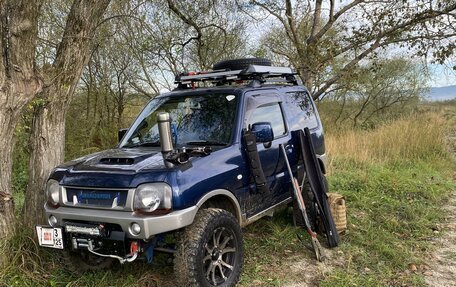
(316, 36)
(187, 20)
(316, 19)
(347, 67)
(292, 25)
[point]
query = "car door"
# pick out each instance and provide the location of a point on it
(266, 106)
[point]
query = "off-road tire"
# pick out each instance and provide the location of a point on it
(240, 64)
(194, 246)
(311, 208)
(80, 262)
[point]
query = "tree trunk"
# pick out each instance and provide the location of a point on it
(119, 118)
(7, 123)
(7, 224)
(89, 90)
(48, 133)
(19, 83)
(47, 144)
(307, 78)
(120, 110)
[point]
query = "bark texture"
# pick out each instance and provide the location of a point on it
(19, 83)
(48, 128)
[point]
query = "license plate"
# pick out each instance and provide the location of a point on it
(50, 236)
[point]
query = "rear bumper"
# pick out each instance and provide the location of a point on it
(150, 225)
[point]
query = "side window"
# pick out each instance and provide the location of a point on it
(271, 113)
(300, 110)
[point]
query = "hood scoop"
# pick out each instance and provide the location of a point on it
(125, 160)
(117, 161)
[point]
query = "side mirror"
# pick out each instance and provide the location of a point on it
(121, 133)
(263, 132)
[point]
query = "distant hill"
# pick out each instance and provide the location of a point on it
(441, 93)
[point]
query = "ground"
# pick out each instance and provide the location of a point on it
(442, 272)
(439, 272)
(308, 271)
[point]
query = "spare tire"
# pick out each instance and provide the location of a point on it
(240, 64)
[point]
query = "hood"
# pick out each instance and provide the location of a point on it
(130, 160)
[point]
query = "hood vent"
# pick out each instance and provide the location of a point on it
(117, 161)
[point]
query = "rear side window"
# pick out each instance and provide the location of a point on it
(271, 113)
(300, 111)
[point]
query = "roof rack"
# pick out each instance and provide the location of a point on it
(255, 73)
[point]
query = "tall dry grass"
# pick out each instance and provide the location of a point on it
(417, 137)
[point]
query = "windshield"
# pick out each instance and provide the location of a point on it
(196, 120)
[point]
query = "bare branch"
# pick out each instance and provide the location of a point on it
(272, 12)
(347, 67)
(315, 36)
(331, 10)
(316, 19)
(187, 20)
(292, 25)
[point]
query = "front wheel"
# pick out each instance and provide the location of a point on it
(210, 251)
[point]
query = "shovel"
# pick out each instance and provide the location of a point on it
(319, 254)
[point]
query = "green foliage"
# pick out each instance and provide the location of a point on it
(89, 133)
(31, 265)
(381, 90)
(269, 245)
(393, 211)
(395, 180)
(326, 49)
(393, 193)
(393, 188)
(21, 158)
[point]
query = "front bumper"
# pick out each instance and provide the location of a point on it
(150, 225)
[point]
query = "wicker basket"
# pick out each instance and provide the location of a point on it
(338, 211)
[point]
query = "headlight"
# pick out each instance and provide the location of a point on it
(153, 196)
(53, 191)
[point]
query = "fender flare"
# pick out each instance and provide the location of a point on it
(229, 195)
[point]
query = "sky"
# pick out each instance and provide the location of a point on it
(442, 75)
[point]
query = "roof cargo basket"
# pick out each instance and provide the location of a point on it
(254, 73)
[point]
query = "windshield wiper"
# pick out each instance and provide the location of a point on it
(154, 143)
(204, 142)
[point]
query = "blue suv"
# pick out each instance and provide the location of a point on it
(197, 164)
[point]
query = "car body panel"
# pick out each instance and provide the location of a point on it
(225, 168)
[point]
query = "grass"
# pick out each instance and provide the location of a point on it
(395, 179)
(393, 211)
(418, 137)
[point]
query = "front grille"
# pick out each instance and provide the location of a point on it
(96, 197)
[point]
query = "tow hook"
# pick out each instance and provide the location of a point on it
(134, 250)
